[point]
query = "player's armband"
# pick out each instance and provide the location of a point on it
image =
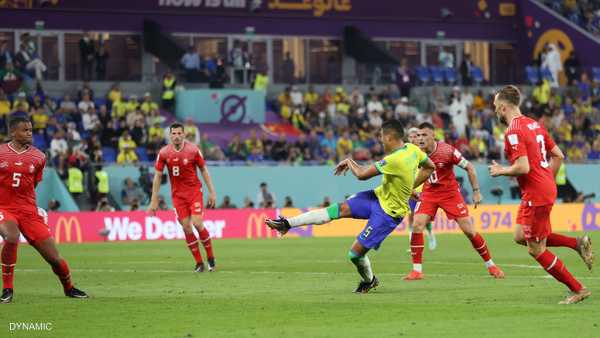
(463, 163)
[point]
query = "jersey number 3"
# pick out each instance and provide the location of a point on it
(544, 162)
(16, 180)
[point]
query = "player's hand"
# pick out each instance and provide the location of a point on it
(476, 198)
(212, 200)
(495, 169)
(153, 207)
(415, 196)
(341, 168)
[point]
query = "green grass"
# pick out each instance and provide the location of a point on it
(298, 287)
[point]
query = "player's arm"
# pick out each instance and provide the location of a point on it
(519, 167)
(362, 172)
(556, 159)
(472, 174)
(212, 195)
(156, 181)
(426, 168)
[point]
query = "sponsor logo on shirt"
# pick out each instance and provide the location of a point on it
(533, 126)
(19, 163)
(176, 159)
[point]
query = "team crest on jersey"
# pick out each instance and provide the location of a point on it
(31, 168)
(185, 161)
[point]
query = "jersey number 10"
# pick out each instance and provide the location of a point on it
(544, 162)
(433, 178)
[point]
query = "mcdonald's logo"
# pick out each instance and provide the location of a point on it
(256, 222)
(68, 223)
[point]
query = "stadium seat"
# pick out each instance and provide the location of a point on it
(423, 75)
(477, 75)
(546, 74)
(596, 74)
(141, 153)
(109, 154)
(437, 74)
(532, 74)
(451, 76)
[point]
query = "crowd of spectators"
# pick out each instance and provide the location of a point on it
(583, 13)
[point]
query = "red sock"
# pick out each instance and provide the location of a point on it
(417, 244)
(9, 259)
(558, 270)
(555, 239)
(63, 273)
(192, 243)
(205, 239)
(481, 247)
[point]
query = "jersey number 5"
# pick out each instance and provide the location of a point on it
(175, 170)
(16, 180)
(544, 162)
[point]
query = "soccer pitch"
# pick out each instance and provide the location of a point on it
(298, 287)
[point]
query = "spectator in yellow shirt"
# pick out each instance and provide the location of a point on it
(192, 134)
(253, 144)
(119, 109)
(344, 146)
(126, 149)
(285, 104)
(311, 97)
(21, 103)
(4, 104)
(148, 105)
(132, 105)
(115, 95)
(40, 119)
(156, 130)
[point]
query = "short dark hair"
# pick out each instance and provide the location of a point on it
(16, 120)
(393, 126)
(175, 126)
(510, 94)
(426, 125)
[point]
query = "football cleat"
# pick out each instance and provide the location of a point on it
(584, 248)
(496, 272)
(7, 296)
(211, 265)
(76, 293)
(281, 225)
(576, 297)
(199, 267)
(365, 287)
(414, 275)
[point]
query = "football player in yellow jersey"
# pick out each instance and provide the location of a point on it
(412, 202)
(384, 207)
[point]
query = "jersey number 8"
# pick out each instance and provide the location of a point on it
(176, 171)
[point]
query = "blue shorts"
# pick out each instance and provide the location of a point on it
(412, 204)
(365, 205)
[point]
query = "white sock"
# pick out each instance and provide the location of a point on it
(318, 216)
(418, 267)
(489, 263)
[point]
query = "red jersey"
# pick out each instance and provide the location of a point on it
(182, 169)
(526, 137)
(20, 172)
(442, 180)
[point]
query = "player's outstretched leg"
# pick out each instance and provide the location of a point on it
(48, 250)
(205, 240)
(192, 243)
(10, 233)
(555, 267)
(480, 246)
(582, 245)
(431, 237)
(316, 217)
(358, 256)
